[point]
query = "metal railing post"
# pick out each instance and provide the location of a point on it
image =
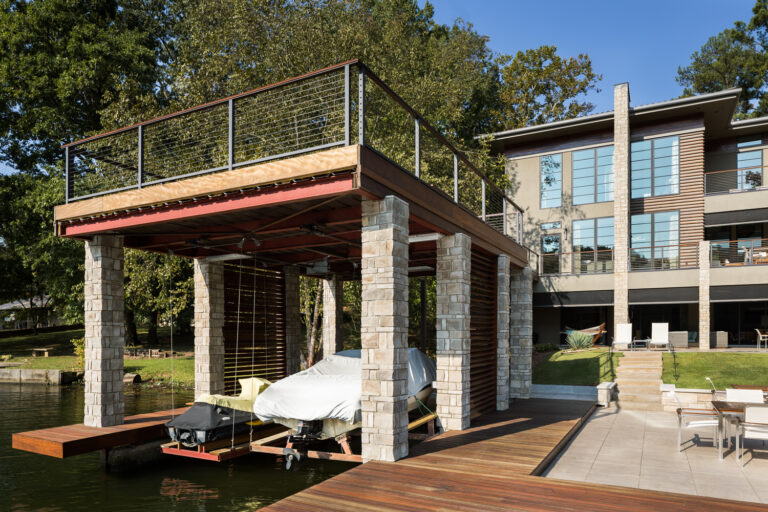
(66, 174)
(504, 215)
(482, 209)
(231, 133)
(455, 178)
(140, 180)
(361, 105)
(417, 148)
(346, 105)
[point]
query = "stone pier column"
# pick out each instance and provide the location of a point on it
(333, 315)
(104, 331)
(384, 329)
(454, 264)
(502, 328)
(209, 327)
(292, 320)
(705, 263)
(521, 332)
(621, 204)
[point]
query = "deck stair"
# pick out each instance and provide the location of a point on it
(638, 380)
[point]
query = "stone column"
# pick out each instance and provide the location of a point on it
(384, 329)
(454, 264)
(104, 331)
(292, 320)
(333, 315)
(704, 266)
(521, 332)
(621, 199)
(502, 328)
(209, 327)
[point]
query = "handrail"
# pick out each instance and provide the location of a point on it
(707, 173)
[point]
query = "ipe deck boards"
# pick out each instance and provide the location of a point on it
(490, 467)
(72, 440)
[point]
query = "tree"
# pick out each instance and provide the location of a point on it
(538, 86)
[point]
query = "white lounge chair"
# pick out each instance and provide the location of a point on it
(659, 336)
(754, 426)
(761, 339)
(694, 418)
(623, 339)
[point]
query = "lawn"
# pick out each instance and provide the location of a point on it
(725, 370)
(587, 368)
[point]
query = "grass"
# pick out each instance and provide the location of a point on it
(725, 370)
(586, 368)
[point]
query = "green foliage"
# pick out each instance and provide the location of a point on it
(546, 347)
(588, 368)
(725, 370)
(79, 346)
(579, 340)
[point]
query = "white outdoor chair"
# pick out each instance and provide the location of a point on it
(761, 339)
(659, 335)
(623, 336)
(754, 426)
(694, 418)
(747, 396)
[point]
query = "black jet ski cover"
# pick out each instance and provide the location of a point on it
(206, 422)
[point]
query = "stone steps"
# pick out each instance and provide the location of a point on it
(638, 381)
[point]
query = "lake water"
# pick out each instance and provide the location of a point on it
(37, 482)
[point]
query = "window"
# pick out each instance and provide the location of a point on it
(593, 175)
(551, 170)
(550, 225)
(655, 240)
(748, 143)
(550, 254)
(655, 167)
(750, 165)
(593, 245)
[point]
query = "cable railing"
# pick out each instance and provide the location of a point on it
(592, 261)
(730, 181)
(336, 106)
(738, 253)
(664, 257)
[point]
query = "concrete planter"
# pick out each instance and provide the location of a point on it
(558, 392)
(693, 398)
(26, 376)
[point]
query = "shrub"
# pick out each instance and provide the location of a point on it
(546, 347)
(579, 340)
(79, 344)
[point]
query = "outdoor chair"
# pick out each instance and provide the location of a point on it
(623, 336)
(659, 336)
(754, 426)
(694, 418)
(761, 338)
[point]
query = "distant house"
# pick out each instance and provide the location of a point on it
(17, 314)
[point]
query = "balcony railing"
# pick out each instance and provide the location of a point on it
(738, 253)
(734, 180)
(578, 262)
(337, 106)
(664, 257)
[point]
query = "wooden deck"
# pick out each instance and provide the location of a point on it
(490, 467)
(72, 440)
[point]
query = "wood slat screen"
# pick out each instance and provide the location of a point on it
(482, 324)
(260, 349)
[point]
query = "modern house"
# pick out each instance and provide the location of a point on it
(648, 213)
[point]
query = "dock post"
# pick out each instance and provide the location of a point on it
(333, 315)
(521, 332)
(384, 329)
(104, 331)
(454, 261)
(502, 328)
(209, 327)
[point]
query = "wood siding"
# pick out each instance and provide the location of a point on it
(689, 202)
(482, 325)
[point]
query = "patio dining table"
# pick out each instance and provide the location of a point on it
(730, 410)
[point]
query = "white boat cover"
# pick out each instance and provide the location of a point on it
(331, 389)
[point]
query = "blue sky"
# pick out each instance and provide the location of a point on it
(642, 43)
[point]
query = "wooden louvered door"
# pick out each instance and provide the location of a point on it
(482, 374)
(254, 340)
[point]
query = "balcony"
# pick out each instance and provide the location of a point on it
(664, 257)
(746, 179)
(344, 105)
(739, 253)
(577, 263)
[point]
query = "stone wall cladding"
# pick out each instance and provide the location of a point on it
(502, 326)
(704, 306)
(104, 331)
(521, 332)
(292, 320)
(621, 203)
(209, 327)
(453, 276)
(384, 329)
(333, 315)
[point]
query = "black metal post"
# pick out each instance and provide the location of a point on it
(455, 178)
(417, 148)
(66, 174)
(361, 106)
(423, 317)
(140, 180)
(231, 134)
(346, 105)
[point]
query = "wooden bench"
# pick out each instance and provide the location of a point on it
(41, 351)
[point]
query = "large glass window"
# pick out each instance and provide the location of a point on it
(550, 225)
(593, 245)
(550, 254)
(750, 165)
(655, 239)
(551, 171)
(593, 175)
(655, 167)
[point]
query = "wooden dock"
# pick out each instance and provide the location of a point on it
(491, 466)
(69, 440)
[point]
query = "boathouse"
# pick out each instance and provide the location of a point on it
(329, 174)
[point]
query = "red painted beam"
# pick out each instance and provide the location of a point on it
(302, 191)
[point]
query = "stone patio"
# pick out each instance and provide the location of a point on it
(634, 448)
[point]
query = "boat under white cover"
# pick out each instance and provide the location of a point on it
(330, 391)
